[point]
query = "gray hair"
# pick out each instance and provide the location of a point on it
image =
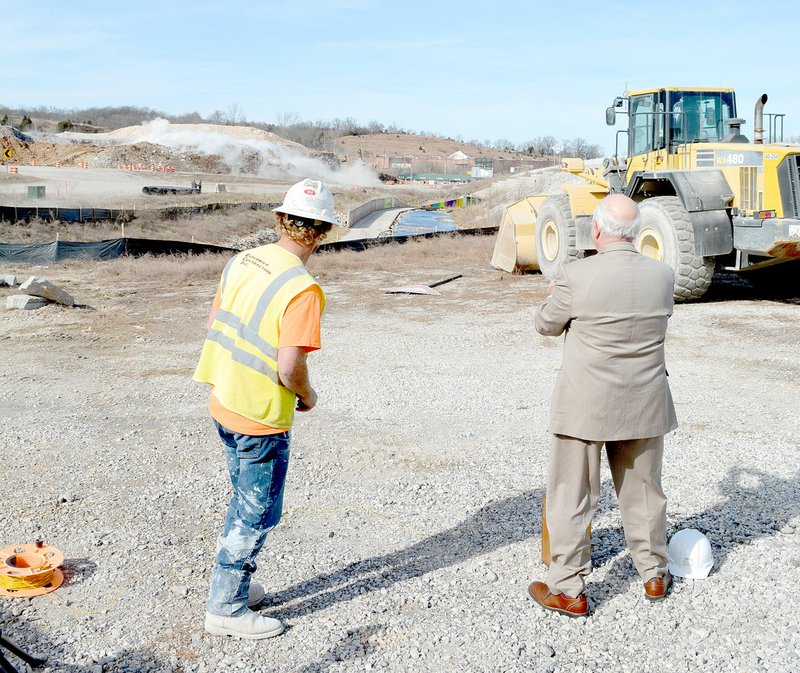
(614, 226)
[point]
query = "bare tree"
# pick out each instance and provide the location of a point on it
(578, 147)
(286, 119)
(235, 114)
(545, 145)
(188, 118)
(593, 152)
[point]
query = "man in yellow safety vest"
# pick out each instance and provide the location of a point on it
(264, 322)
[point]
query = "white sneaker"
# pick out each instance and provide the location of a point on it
(255, 595)
(249, 625)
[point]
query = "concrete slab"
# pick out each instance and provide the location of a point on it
(41, 287)
(26, 302)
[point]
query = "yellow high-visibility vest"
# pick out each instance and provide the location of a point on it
(240, 354)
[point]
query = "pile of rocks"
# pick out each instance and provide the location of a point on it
(38, 292)
(261, 237)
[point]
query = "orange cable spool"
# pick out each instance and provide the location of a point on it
(30, 570)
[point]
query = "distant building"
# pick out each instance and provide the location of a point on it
(482, 172)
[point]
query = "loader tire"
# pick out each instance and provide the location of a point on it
(555, 235)
(667, 235)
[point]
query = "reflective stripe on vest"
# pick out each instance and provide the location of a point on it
(225, 271)
(243, 357)
(249, 332)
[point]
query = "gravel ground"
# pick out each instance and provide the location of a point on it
(412, 521)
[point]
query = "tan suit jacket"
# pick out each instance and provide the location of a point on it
(614, 308)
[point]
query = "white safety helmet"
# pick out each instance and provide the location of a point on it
(689, 555)
(309, 199)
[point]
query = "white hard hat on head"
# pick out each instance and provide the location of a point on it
(309, 199)
(689, 555)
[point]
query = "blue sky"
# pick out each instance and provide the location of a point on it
(478, 70)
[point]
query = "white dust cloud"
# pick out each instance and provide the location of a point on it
(252, 155)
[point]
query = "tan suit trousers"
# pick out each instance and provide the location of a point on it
(573, 490)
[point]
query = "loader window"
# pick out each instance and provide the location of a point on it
(699, 116)
(643, 124)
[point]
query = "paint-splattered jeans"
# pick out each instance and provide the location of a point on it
(257, 466)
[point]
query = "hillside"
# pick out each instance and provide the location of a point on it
(417, 146)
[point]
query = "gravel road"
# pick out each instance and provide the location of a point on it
(412, 522)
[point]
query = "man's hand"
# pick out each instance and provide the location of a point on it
(308, 402)
(293, 374)
(555, 312)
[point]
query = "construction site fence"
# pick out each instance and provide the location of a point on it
(364, 243)
(47, 214)
(55, 251)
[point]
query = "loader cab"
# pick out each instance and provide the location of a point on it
(663, 119)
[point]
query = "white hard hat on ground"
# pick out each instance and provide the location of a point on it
(689, 555)
(310, 200)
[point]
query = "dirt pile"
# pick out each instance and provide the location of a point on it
(150, 154)
(42, 152)
(27, 150)
(205, 148)
(134, 133)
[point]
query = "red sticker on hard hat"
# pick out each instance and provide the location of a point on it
(310, 192)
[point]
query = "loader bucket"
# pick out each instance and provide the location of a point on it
(515, 247)
(504, 256)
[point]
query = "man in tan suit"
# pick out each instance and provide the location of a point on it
(612, 389)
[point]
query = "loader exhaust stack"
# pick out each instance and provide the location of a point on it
(758, 120)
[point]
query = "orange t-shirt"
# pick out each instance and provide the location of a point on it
(300, 327)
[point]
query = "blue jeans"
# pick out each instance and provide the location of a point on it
(257, 466)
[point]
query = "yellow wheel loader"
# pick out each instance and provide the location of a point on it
(710, 199)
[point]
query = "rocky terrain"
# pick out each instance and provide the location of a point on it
(183, 147)
(412, 516)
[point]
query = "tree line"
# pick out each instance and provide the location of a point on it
(316, 135)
